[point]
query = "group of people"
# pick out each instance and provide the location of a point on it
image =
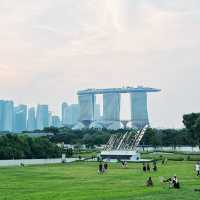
(103, 167)
(173, 182)
(124, 164)
(147, 168)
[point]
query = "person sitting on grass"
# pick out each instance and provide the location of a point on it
(175, 182)
(149, 182)
(169, 180)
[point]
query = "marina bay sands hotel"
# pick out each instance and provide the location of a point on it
(111, 106)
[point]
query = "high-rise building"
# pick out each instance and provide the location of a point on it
(42, 118)
(31, 123)
(72, 114)
(139, 113)
(2, 107)
(50, 119)
(97, 112)
(56, 121)
(20, 118)
(87, 105)
(111, 107)
(8, 116)
(64, 113)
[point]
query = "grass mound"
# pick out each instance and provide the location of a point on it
(80, 181)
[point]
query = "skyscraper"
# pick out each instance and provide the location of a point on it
(64, 113)
(50, 119)
(86, 103)
(20, 118)
(42, 118)
(72, 114)
(56, 121)
(2, 107)
(8, 116)
(97, 113)
(31, 123)
(111, 106)
(139, 113)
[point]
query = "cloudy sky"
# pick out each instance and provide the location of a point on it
(50, 49)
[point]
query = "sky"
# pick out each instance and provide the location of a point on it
(51, 49)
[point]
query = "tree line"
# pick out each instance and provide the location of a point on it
(22, 146)
(189, 135)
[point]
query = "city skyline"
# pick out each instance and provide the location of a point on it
(18, 118)
(51, 49)
(87, 113)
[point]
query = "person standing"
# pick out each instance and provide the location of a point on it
(105, 167)
(148, 167)
(125, 164)
(154, 166)
(100, 168)
(144, 167)
(197, 168)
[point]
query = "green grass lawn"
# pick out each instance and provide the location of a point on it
(81, 181)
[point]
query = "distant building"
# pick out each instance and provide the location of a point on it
(111, 106)
(72, 114)
(20, 118)
(64, 113)
(56, 121)
(2, 108)
(31, 122)
(50, 119)
(97, 113)
(42, 118)
(8, 116)
(87, 108)
(139, 112)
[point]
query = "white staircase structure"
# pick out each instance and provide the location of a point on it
(124, 146)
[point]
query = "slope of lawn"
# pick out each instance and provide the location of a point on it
(80, 181)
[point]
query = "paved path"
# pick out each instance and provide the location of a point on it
(34, 161)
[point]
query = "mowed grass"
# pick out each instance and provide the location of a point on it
(80, 181)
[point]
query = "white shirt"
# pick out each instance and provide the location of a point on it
(197, 167)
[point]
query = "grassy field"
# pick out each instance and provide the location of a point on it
(80, 181)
